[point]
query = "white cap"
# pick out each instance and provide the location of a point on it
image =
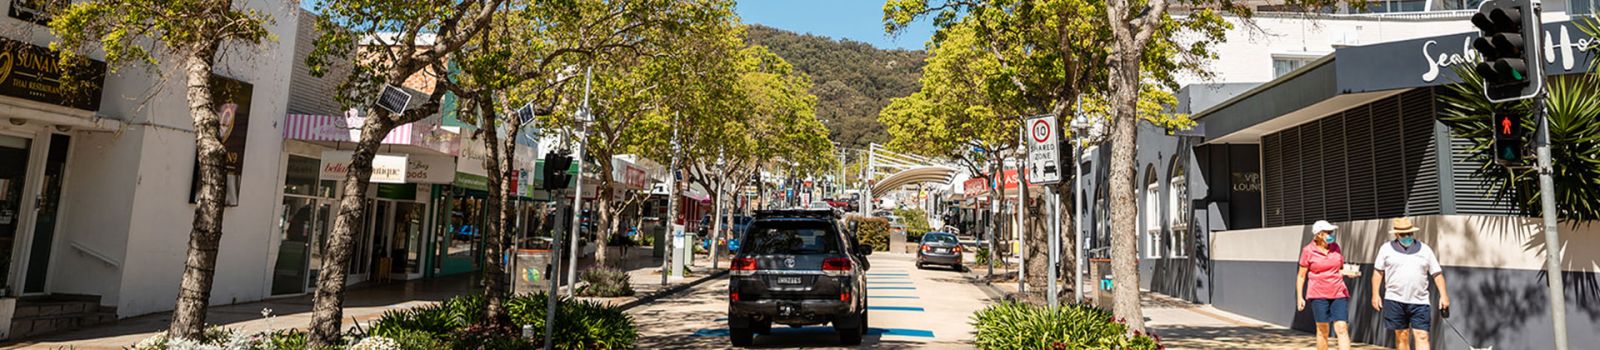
(1322, 225)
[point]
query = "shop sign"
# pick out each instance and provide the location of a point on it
(230, 99)
(1432, 61)
(386, 168)
(471, 181)
(430, 169)
(34, 73)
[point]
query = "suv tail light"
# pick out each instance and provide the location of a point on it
(742, 267)
(836, 266)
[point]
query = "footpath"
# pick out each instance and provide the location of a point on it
(1185, 325)
(364, 303)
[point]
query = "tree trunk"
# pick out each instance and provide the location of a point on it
(327, 311)
(1069, 244)
(200, 267)
(494, 254)
(606, 192)
(1124, 237)
(1038, 250)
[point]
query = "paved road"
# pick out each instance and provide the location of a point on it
(909, 309)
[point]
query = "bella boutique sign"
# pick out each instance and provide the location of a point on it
(34, 73)
(1431, 61)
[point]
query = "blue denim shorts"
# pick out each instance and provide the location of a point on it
(1330, 310)
(1402, 316)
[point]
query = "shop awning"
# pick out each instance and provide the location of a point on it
(929, 174)
(347, 128)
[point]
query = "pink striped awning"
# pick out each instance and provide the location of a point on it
(347, 128)
(336, 128)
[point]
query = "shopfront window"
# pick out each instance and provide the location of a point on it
(460, 249)
(301, 176)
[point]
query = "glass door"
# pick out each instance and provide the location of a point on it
(407, 239)
(298, 226)
(13, 174)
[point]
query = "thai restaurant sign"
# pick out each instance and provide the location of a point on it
(386, 168)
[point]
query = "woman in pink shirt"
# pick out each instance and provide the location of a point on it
(1321, 269)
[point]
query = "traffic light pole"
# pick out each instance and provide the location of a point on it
(1552, 242)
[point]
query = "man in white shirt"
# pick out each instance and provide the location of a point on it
(1408, 264)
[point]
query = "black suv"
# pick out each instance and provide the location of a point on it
(798, 268)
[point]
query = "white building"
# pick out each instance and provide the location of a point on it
(94, 190)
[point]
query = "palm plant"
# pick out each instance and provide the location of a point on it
(1573, 107)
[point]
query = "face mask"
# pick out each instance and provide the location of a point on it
(1330, 238)
(1407, 241)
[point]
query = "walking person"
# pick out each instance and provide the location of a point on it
(1408, 264)
(1321, 281)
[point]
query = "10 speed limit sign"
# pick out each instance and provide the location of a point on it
(1044, 151)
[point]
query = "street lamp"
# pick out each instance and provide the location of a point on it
(1079, 125)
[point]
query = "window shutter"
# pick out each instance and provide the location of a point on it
(1311, 157)
(1421, 170)
(1272, 179)
(1335, 189)
(1358, 141)
(1389, 158)
(1292, 199)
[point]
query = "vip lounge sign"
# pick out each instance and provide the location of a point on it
(386, 168)
(1431, 61)
(35, 73)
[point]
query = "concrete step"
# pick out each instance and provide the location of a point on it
(50, 314)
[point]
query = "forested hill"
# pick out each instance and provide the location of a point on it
(852, 79)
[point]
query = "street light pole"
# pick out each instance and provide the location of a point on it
(1552, 242)
(672, 207)
(577, 187)
(1079, 125)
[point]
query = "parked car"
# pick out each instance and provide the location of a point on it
(798, 268)
(939, 248)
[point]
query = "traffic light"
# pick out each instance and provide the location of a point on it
(1508, 139)
(555, 170)
(1509, 37)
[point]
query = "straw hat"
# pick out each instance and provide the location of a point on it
(1402, 225)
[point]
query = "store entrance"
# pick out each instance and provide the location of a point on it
(392, 248)
(13, 174)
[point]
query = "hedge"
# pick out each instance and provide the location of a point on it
(1014, 325)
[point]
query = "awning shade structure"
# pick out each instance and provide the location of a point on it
(347, 128)
(941, 175)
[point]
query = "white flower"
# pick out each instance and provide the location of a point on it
(241, 341)
(266, 312)
(154, 342)
(376, 343)
(187, 344)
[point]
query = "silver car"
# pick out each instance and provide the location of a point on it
(939, 248)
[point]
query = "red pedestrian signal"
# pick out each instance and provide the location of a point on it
(1508, 139)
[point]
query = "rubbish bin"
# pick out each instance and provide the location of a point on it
(1100, 275)
(531, 275)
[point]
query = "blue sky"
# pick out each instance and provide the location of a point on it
(859, 20)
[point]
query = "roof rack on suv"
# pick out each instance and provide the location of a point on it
(799, 213)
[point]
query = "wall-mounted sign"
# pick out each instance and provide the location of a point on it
(430, 169)
(1430, 61)
(34, 73)
(386, 168)
(230, 99)
(1246, 182)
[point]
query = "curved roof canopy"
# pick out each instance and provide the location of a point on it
(925, 174)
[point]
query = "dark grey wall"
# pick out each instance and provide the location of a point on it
(1506, 309)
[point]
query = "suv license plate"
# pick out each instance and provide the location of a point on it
(788, 280)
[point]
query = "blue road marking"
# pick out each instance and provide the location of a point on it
(892, 297)
(891, 288)
(895, 308)
(882, 332)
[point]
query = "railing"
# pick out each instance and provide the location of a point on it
(97, 255)
(1417, 16)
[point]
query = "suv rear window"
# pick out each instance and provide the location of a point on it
(792, 237)
(939, 238)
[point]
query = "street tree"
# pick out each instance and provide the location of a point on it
(531, 57)
(385, 42)
(174, 37)
(772, 115)
(1053, 53)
